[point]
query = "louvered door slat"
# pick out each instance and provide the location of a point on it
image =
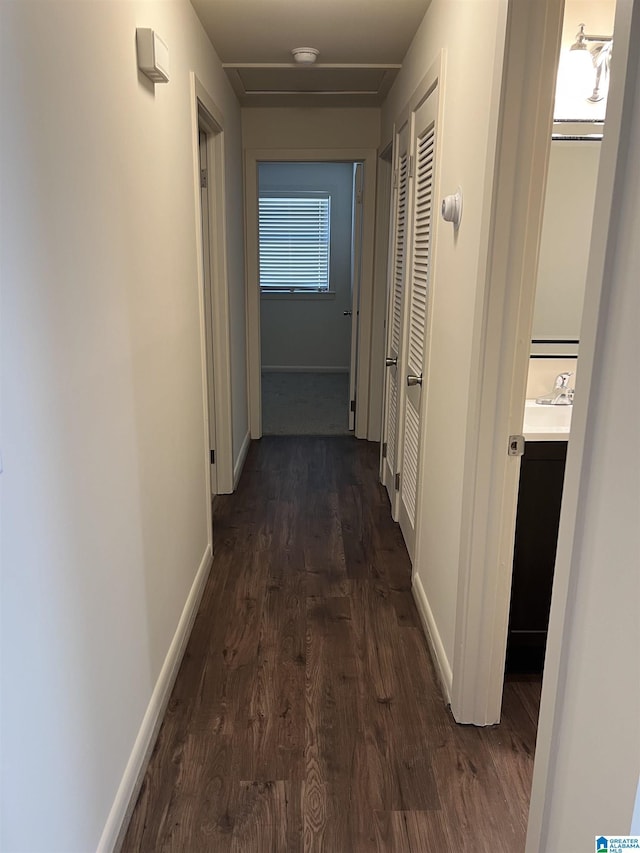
(399, 260)
(393, 419)
(421, 248)
(409, 485)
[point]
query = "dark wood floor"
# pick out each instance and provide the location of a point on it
(306, 714)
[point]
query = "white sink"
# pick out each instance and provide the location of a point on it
(546, 423)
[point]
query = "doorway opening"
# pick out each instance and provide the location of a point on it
(504, 350)
(209, 170)
(569, 205)
(562, 270)
(309, 253)
(360, 165)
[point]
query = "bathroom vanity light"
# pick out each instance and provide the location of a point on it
(592, 52)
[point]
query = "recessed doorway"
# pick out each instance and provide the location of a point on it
(309, 245)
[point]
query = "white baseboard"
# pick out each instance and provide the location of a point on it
(443, 667)
(125, 800)
(288, 368)
(242, 456)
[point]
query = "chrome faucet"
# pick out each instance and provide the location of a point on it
(562, 394)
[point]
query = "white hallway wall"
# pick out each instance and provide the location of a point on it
(299, 332)
(104, 492)
(466, 159)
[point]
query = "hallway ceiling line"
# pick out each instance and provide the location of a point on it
(361, 45)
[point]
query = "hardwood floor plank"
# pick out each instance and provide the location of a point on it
(512, 746)
(412, 832)
(332, 725)
(528, 690)
(268, 818)
(472, 797)
(274, 737)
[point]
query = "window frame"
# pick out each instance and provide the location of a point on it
(303, 292)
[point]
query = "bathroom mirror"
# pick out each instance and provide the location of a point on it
(566, 236)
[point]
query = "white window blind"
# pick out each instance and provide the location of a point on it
(294, 241)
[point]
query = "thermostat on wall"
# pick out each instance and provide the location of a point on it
(153, 55)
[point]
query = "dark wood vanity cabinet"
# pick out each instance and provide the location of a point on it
(537, 521)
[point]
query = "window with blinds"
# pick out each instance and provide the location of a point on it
(294, 231)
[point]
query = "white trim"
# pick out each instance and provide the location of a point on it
(205, 112)
(302, 368)
(438, 653)
(433, 77)
(125, 799)
(297, 294)
(206, 314)
(252, 157)
(242, 457)
(501, 344)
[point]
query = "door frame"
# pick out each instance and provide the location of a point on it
(206, 116)
(502, 350)
(384, 195)
(357, 196)
(254, 156)
(208, 313)
(387, 475)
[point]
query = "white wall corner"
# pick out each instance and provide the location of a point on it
(242, 457)
(127, 794)
(438, 653)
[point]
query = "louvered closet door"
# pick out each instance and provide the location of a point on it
(416, 322)
(394, 390)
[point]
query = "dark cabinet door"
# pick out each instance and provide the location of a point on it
(537, 521)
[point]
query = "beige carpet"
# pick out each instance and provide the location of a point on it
(305, 403)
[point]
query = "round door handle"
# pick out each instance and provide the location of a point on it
(390, 362)
(347, 313)
(412, 379)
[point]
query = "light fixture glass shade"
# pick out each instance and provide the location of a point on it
(582, 82)
(579, 64)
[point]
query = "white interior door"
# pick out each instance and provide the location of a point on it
(356, 273)
(395, 311)
(206, 263)
(417, 300)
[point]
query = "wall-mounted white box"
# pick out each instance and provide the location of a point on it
(153, 55)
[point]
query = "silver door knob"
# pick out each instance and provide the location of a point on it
(347, 313)
(390, 362)
(412, 379)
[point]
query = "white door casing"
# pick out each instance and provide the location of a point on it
(394, 390)
(417, 301)
(501, 355)
(206, 268)
(213, 284)
(356, 271)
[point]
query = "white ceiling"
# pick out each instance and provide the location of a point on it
(361, 42)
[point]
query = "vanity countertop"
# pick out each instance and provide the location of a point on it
(546, 423)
